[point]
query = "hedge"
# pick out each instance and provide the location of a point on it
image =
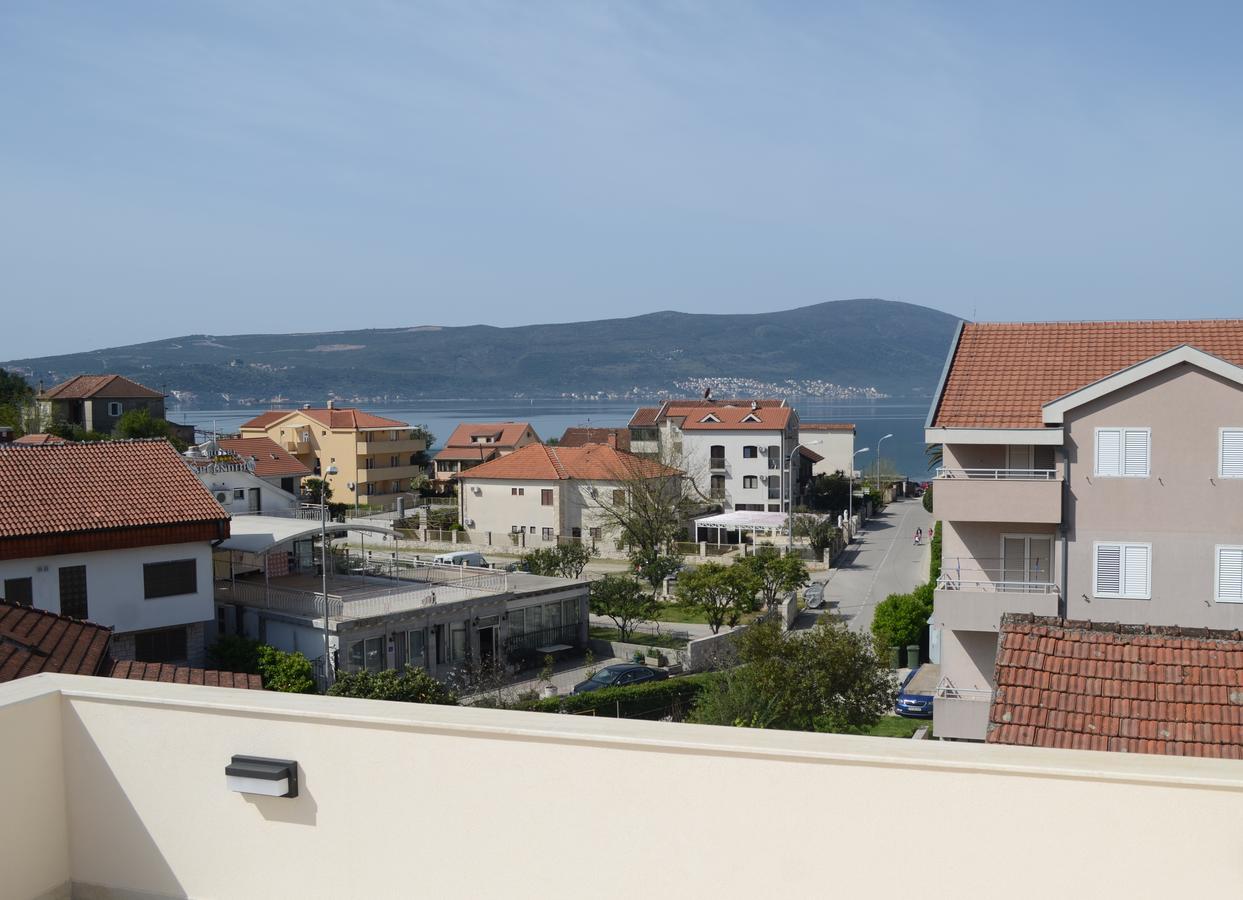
(935, 563)
(652, 700)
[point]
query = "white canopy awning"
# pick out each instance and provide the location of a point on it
(261, 534)
(733, 521)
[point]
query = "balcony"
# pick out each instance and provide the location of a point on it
(1027, 496)
(718, 464)
(370, 448)
(976, 600)
(960, 714)
(387, 473)
(298, 447)
(105, 774)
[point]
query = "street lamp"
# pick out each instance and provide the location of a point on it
(790, 507)
(850, 495)
(323, 556)
(878, 443)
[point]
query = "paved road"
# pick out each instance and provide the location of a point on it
(882, 561)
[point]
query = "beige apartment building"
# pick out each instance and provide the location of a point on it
(375, 456)
(1092, 471)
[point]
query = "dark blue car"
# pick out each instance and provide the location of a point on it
(915, 696)
(620, 675)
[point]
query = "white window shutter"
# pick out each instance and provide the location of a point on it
(1230, 573)
(1135, 455)
(1136, 574)
(1232, 453)
(1108, 569)
(1108, 451)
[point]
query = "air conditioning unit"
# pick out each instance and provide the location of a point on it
(476, 490)
(469, 523)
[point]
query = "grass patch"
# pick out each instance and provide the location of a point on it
(676, 612)
(898, 727)
(666, 641)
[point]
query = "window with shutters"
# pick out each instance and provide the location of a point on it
(1123, 452)
(545, 497)
(1122, 570)
(1230, 453)
(1229, 575)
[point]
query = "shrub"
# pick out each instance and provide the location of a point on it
(232, 653)
(934, 566)
(900, 619)
(653, 700)
(289, 673)
(927, 499)
(408, 685)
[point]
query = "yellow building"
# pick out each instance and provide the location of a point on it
(375, 457)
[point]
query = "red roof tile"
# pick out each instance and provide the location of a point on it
(730, 415)
(79, 487)
(578, 437)
(1132, 689)
(140, 671)
(826, 426)
(594, 462)
(645, 417)
(470, 454)
(339, 418)
(39, 439)
(501, 434)
(84, 386)
(271, 460)
(34, 640)
(1001, 374)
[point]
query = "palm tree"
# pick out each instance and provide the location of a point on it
(933, 452)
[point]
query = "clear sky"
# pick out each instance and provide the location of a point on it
(261, 165)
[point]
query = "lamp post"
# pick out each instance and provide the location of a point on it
(790, 508)
(850, 493)
(323, 557)
(878, 443)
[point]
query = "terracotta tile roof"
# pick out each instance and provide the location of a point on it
(271, 460)
(645, 417)
(34, 640)
(731, 418)
(76, 487)
(1133, 689)
(140, 671)
(85, 386)
(594, 462)
(339, 418)
(503, 434)
(811, 455)
(1001, 374)
(826, 426)
(470, 454)
(39, 439)
(578, 437)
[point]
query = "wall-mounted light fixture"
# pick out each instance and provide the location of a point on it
(257, 775)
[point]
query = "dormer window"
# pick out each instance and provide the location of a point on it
(709, 418)
(751, 417)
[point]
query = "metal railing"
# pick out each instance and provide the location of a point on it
(979, 582)
(946, 690)
(999, 474)
(717, 464)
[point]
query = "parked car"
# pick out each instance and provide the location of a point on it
(915, 696)
(462, 558)
(620, 675)
(813, 595)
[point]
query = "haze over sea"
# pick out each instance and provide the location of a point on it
(873, 418)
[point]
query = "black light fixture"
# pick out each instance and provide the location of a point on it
(259, 775)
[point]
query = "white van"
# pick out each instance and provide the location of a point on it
(463, 558)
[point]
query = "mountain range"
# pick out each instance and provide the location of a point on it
(845, 348)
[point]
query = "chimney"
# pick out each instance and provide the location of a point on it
(754, 405)
(330, 406)
(306, 406)
(613, 439)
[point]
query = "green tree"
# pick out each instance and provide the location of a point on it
(927, 499)
(775, 573)
(311, 488)
(408, 685)
(541, 561)
(16, 398)
(429, 440)
(623, 600)
(819, 531)
(654, 566)
(562, 561)
(289, 673)
(825, 679)
(936, 456)
(934, 564)
(646, 509)
(721, 593)
(829, 493)
(232, 653)
(900, 619)
(139, 423)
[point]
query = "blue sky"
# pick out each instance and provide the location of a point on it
(256, 166)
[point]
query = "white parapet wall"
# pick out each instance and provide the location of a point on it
(122, 792)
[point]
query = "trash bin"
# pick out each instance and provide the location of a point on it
(895, 658)
(912, 655)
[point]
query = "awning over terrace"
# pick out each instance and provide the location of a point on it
(261, 534)
(734, 521)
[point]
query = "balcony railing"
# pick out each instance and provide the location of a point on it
(717, 464)
(982, 582)
(1000, 474)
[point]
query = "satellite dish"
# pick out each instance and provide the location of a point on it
(349, 486)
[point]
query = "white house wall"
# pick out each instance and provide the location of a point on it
(696, 454)
(114, 585)
(272, 498)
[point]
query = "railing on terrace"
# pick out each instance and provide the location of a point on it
(983, 582)
(999, 474)
(946, 690)
(310, 513)
(530, 641)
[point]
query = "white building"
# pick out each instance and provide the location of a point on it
(119, 533)
(249, 475)
(834, 443)
(539, 494)
(737, 452)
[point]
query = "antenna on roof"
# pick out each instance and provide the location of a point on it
(707, 393)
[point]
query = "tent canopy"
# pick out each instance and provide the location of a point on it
(732, 521)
